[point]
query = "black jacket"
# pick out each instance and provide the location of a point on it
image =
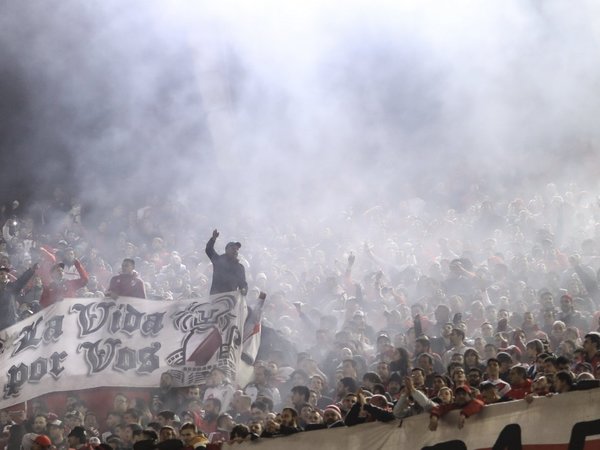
(228, 274)
(352, 418)
(8, 309)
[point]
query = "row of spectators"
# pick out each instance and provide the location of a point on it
(210, 415)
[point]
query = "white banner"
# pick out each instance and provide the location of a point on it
(83, 343)
(562, 422)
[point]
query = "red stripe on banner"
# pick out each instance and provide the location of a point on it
(255, 331)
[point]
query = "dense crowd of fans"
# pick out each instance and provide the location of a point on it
(377, 315)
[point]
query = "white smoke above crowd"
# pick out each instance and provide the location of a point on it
(289, 109)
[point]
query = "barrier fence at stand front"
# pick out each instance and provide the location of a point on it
(561, 422)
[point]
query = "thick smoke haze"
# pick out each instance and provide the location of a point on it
(281, 110)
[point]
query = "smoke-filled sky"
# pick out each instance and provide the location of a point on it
(297, 106)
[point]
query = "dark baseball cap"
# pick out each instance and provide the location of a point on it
(78, 432)
(234, 244)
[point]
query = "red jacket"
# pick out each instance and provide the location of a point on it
(471, 408)
(519, 391)
(595, 363)
(125, 285)
(55, 292)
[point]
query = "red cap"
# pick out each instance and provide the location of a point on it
(43, 440)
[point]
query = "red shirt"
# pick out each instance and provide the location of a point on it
(471, 408)
(127, 285)
(519, 391)
(56, 291)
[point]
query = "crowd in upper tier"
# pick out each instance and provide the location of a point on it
(370, 315)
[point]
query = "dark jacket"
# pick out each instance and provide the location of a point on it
(8, 309)
(283, 431)
(322, 426)
(228, 274)
(352, 418)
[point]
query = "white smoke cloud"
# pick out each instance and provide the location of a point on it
(309, 105)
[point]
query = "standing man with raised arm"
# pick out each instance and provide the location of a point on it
(228, 274)
(8, 292)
